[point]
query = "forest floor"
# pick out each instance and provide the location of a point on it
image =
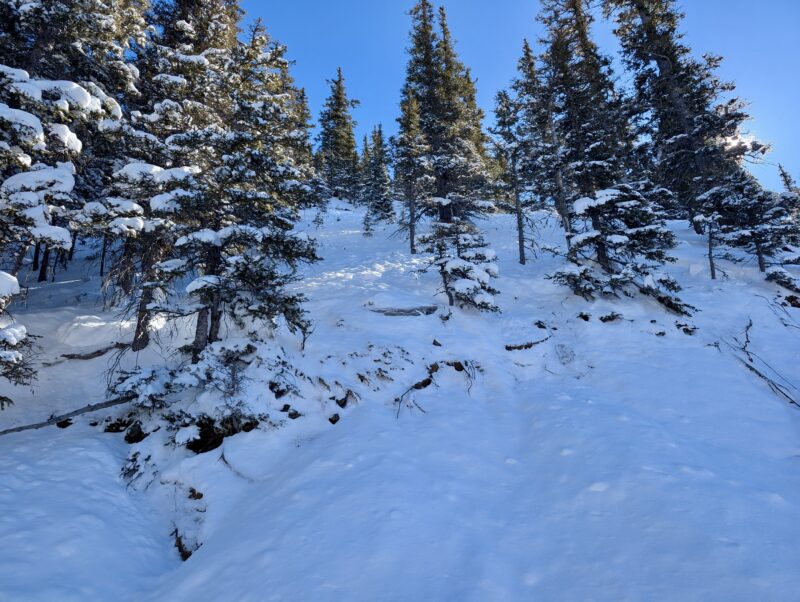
(562, 450)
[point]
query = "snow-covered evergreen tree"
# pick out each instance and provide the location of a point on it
(689, 113)
(414, 176)
(618, 238)
(364, 172)
(38, 202)
(337, 157)
(378, 183)
(739, 213)
(233, 216)
(464, 263)
(510, 152)
(450, 123)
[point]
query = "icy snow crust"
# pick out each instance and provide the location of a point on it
(625, 460)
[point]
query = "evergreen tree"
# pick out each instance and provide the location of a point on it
(378, 189)
(238, 130)
(364, 171)
(619, 237)
(449, 121)
(541, 168)
(85, 41)
(689, 112)
(789, 183)
(413, 168)
(38, 200)
(739, 213)
(91, 43)
(510, 154)
(338, 155)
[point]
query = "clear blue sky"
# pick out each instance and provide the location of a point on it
(760, 40)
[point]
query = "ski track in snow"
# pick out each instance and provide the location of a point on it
(609, 462)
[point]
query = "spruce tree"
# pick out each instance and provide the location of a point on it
(619, 238)
(233, 216)
(789, 183)
(338, 155)
(510, 154)
(39, 204)
(364, 173)
(450, 125)
(689, 112)
(378, 189)
(91, 43)
(413, 168)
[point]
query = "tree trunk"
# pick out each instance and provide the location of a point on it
(762, 262)
(72, 248)
(520, 226)
(216, 319)
(103, 256)
(200, 335)
(23, 252)
(36, 252)
(711, 252)
(562, 207)
(44, 265)
(602, 250)
(412, 224)
(141, 337)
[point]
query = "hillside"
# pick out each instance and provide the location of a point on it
(558, 449)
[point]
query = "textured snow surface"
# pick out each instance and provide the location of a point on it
(618, 460)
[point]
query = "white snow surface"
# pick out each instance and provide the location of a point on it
(625, 460)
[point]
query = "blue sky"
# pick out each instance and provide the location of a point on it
(367, 38)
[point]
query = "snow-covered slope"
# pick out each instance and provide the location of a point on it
(561, 450)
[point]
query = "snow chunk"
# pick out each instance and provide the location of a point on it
(9, 285)
(66, 136)
(203, 282)
(53, 179)
(25, 124)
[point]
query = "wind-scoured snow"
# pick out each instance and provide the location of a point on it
(555, 455)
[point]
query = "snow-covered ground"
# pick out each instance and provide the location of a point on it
(634, 458)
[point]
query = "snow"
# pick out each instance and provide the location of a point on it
(99, 539)
(28, 125)
(582, 205)
(74, 95)
(201, 283)
(55, 235)
(46, 179)
(9, 285)
(66, 136)
(139, 171)
(626, 460)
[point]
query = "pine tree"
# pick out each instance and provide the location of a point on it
(89, 42)
(378, 189)
(338, 155)
(510, 151)
(619, 238)
(233, 215)
(449, 121)
(413, 169)
(789, 183)
(689, 112)
(38, 201)
(739, 213)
